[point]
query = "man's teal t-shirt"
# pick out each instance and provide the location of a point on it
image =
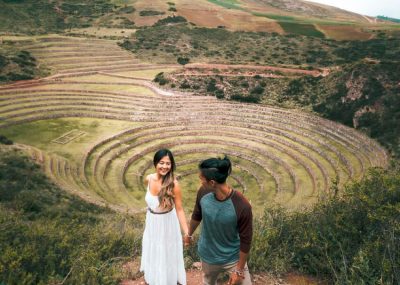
(226, 226)
(219, 240)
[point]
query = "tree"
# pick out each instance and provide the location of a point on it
(4, 140)
(183, 60)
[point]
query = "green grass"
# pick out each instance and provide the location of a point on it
(308, 30)
(41, 133)
(49, 236)
(275, 17)
(301, 20)
(229, 4)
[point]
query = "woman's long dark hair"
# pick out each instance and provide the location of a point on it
(166, 195)
(217, 169)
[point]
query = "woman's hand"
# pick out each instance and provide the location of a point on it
(187, 240)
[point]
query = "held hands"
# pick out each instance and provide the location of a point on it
(187, 240)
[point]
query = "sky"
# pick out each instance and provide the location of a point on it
(389, 8)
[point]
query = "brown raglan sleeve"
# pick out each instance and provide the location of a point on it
(196, 215)
(245, 221)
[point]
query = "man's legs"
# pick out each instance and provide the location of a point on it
(247, 277)
(211, 272)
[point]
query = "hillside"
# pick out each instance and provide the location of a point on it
(49, 236)
(41, 16)
(303, 98)
(363, 95)
(317, 10)
(355, 83)
(18, 64)
(102, 95)
(283, 17)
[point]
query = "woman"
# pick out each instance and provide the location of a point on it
(162, 250)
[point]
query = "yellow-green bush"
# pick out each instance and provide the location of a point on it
(351, 239)
(48, 236)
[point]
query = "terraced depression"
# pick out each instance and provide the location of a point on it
(95, 124)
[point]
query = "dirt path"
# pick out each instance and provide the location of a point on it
(314, 72)
(194, 277)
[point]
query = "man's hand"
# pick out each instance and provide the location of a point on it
(236, 278)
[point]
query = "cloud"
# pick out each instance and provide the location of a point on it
(389, 8)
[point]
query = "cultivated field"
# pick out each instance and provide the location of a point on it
(101, 104)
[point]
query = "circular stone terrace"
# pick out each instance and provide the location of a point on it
(279, 156)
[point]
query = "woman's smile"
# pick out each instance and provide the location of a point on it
(164, 165)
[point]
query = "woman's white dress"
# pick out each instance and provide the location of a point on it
(162, 248)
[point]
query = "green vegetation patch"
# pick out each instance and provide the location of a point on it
(275, 17)
(394, 20)
(170, 20)
(17, 64)
(347, 239)
(238, 88)
(41, 16)
(49, 236)
(127, 9)
(150, 13)
(164, 43)
(301, 29)
(364, 95)
(40, 134)
(229, 4)
(89, 9)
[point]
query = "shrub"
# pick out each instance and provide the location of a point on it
(183, 60)
(50, 237)
(219, 93)
(185, 85)
(257, 90)
(127, 9)
(349, 239)
(145, 13)
(246, 98)
(211, 85)
(170, 20)
(4, 140)
(160, 79)
(244, 84)
(18, 76)
(3, 61)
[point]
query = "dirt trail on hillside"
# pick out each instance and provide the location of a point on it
(256, 67)
(194, 277)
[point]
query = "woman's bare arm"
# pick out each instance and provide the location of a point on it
(179, 208)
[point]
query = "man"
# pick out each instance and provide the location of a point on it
(227, 231)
